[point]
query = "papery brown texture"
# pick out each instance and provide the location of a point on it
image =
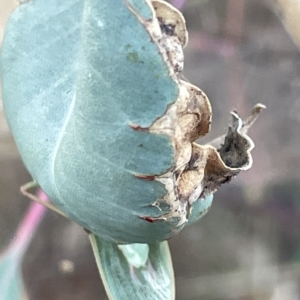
(199, 170)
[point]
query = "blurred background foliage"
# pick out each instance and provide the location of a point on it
(248, 245)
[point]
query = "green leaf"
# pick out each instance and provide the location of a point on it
(136, 254)
(138, 271)
(11, 282)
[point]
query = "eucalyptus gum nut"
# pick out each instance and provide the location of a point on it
(103, 122)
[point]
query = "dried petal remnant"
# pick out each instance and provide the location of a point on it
(171, 21)
(198, 170)
(175, 35)
(210, 167)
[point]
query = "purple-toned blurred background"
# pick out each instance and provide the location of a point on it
(248, 246)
